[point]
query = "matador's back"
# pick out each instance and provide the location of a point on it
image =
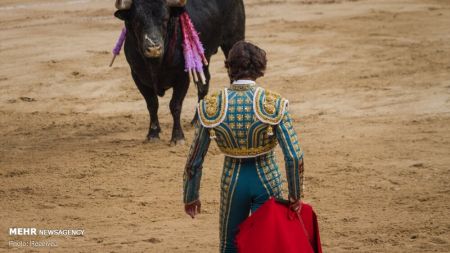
(242, 119)
(246, 121)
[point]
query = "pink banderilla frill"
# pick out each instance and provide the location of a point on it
(195, 39)
(194, 53)
(119, 43)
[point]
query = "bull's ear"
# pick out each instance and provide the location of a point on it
(122, 14)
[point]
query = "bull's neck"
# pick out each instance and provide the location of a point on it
(173, 41)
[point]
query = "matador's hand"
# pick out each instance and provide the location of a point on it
(193, 208)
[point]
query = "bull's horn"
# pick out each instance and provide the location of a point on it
(123, 4)
(176, 3)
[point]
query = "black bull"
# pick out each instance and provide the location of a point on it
(153, 49)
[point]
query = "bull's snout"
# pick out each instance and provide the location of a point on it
(153, 52)
(152, 48)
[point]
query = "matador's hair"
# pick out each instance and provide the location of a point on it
(245, 60)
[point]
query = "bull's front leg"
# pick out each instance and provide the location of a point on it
(179, 93)
(152, 102)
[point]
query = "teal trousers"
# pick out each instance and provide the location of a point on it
(246, 184)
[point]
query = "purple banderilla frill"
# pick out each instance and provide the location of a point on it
(119, 43)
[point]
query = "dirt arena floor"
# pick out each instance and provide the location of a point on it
(369, 89)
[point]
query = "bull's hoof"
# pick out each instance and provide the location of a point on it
(152, 137)
(152, 140)
(179, 142)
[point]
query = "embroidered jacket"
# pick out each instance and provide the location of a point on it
(246, 121)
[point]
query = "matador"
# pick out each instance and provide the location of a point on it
(247, 122)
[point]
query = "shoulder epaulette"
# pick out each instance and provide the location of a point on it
(212, 109)
(269, 106)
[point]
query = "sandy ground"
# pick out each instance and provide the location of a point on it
(369, 88)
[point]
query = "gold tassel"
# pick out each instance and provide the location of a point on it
(269, 130)
(212, 134)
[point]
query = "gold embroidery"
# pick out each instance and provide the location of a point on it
(227, 180)
(242, 87)
(227, 139)
(240, 117)
(272, 183)
(225, 198)
(260, 177)
(258, 136)
(209, 107)
(267, 113)
(211, 104)
(269, 102)
(239, 108)
(247, 152)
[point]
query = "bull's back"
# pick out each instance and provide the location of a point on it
(214, 18)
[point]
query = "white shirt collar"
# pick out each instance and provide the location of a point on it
(243, 81)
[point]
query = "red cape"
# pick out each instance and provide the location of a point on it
(273, 228)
